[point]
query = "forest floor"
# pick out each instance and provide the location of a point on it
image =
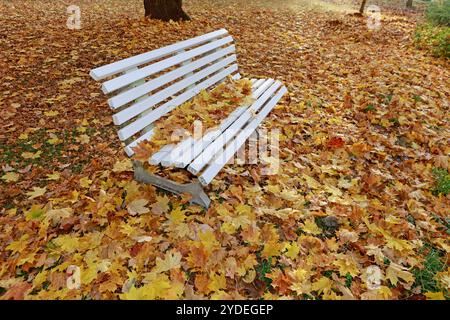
(358, 209)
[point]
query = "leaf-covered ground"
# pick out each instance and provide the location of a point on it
(358, 210)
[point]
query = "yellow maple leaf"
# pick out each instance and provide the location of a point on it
(249, 276)
(442, 243)
(83, 139)
(273, 188)
(243, 209)
(177, 215)
(74, 196)
(56, 215)
(36, 212)
(381, 293)
(398, 244)
(68, 243)
(175, 291)
(51, 113)
(292, 195)
(136, 294)
(54, 140)
(10, 177)
(331, 295)
(123, 165)
(300, 274)
(271, 249)
(346, 265)
(19, 245)
(435, 295)
(85, 182)
(40, 278)
(156, 288)
(138, 207)
(37, 192)
(396, 271)
(228, 227)
(322, 285)
(385, 123)
(208, 239)
(292, 250)
(171, 260)
(218, 282)
(311, 182)
(89, 274)
(53, 176)
(311, 227)
(23, 136)
(31, 155)
(161, 205)
(332, 244)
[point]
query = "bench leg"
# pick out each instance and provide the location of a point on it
(194, 189)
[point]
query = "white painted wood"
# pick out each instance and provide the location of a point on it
(197, 148)
(145, 136)
(130, 95)
(126, 79)
(223, 157)
(155, 114)
(147, 103)
(258, 82)
(200, 144)
(236, 76)
(156, 158)
(211, 151)
(125, 64)
(174, 154)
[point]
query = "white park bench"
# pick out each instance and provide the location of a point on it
(146, 87)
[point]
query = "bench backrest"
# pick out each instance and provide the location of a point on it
(145, 87)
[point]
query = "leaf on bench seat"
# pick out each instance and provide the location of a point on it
(209, 107)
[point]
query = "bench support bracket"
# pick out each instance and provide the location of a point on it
(194, 189)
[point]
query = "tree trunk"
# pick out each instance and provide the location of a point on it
(165, 10)
(409, 4)
(363, 5)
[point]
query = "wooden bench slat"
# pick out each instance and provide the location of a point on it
(125, 64)
(129, 148)
(156, 158)
(175, 153)
(210, 152)
(134, 93)
(223, 157)
(168, 106)
(129, 78)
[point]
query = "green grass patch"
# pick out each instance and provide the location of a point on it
(263, 268)
(438, 13)
(434, 39)
(444, 222)
(434, 35)
(370, 107)
(442, 184)
(434, 263)
(52, 152)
